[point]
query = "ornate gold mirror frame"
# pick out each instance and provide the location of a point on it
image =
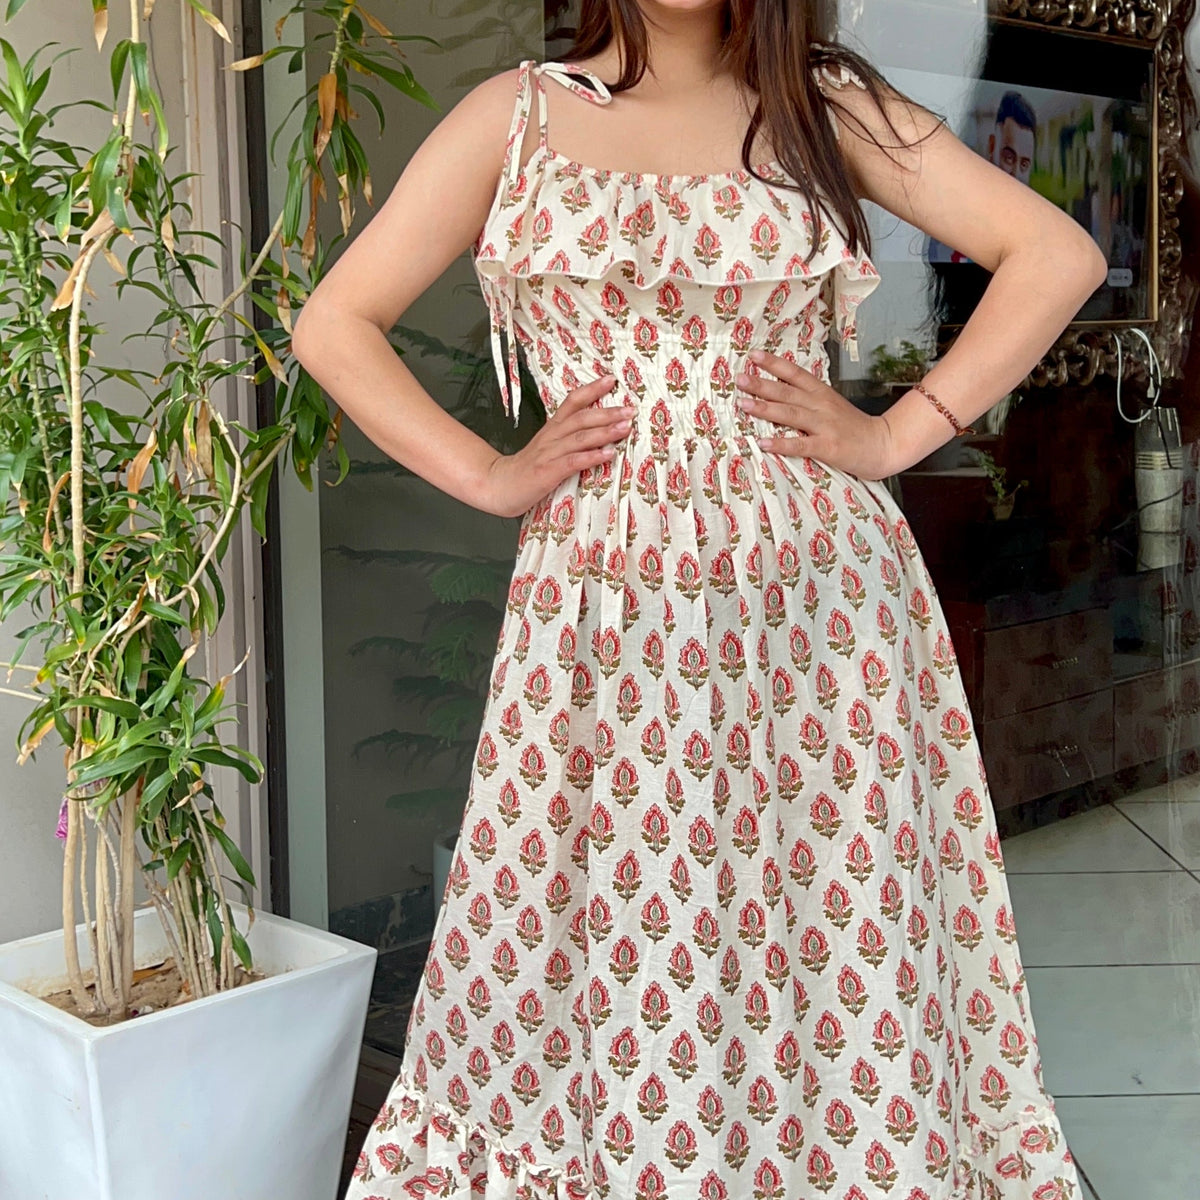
(1086, 350)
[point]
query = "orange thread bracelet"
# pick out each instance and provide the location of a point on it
(959, 430)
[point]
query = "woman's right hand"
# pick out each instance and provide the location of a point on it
(580, 434)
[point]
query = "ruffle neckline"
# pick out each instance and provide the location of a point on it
(463, 1159)
(649, 225)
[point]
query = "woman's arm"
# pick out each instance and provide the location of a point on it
(1044, 264)
(433, 215)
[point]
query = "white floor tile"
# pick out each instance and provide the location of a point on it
(1117, 1030)
(1100, 839)
(1096, 919)
(1184, 790)
(1174, 825)
(1136, 1147)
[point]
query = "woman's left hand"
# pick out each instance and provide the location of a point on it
(828, 427)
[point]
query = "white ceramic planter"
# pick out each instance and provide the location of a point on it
(241, 1096)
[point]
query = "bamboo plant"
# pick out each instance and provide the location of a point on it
(121, 488)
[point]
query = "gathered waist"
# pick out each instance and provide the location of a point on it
(675, 388)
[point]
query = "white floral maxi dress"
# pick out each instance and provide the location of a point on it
(728, 916)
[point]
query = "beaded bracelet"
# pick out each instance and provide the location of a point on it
(959, 430)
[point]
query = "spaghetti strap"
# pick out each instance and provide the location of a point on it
(529, 76)
(598, 93)
(502, 301)
(836, 76)
(516, 128)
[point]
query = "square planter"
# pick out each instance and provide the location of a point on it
(240, 1096)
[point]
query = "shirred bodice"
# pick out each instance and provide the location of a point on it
(566, 247)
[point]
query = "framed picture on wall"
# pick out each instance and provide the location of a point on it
(1085, 104)
(1070, 115)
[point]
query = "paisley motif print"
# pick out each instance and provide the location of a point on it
(728, 914)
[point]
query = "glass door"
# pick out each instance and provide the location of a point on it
(393, 593)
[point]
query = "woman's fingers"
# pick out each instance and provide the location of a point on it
(789, 413)
(794, 447)
(787, 371)
(594, 418)
(586, 393)
(791, 399)
(590, 435)
(580, 422)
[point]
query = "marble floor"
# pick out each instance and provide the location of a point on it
(1107, 910)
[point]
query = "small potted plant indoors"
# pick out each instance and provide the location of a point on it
(120, 489)
(1004, 551)
(1001, 498)
(898, 365)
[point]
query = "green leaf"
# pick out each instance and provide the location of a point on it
(104, 169)
(16, 73)
(94, 767)
(179, 856)
(116, 65)
(215, 929)
(122, 708)
(163, 612)
(240, 948)
(165, 694)
(154, 796)
(240, 865)
(218, 757)
(403, 82)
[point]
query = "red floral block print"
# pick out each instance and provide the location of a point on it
(728, 917)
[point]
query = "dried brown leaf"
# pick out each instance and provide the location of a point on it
(204, 439)
(327, 99)
(140, 461)
(283, 302)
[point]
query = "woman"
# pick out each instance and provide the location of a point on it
(728, 914)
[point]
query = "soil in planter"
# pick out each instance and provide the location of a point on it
(154, 988)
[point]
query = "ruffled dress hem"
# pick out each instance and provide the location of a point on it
(421, 1147)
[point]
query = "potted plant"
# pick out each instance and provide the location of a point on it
(1001, 498)
(120, 490)
(899, 365)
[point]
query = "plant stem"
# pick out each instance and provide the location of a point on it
(83, 886)
(70, 946)
(76, 381)
(128, 845)
(104, 973)
(256, 266)
(226, 965)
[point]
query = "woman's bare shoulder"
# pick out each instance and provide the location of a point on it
(491, 101)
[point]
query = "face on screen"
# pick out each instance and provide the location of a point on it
(1011, 149)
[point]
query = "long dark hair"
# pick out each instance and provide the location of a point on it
(771, 46)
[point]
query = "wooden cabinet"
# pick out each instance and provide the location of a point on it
(1156, 714)
(1042, 750)
(1039, 662)
(1041, 694)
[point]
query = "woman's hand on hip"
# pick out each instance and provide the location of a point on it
(828, 427)
(580, 434)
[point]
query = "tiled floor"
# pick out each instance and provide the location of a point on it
(1107, 907)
